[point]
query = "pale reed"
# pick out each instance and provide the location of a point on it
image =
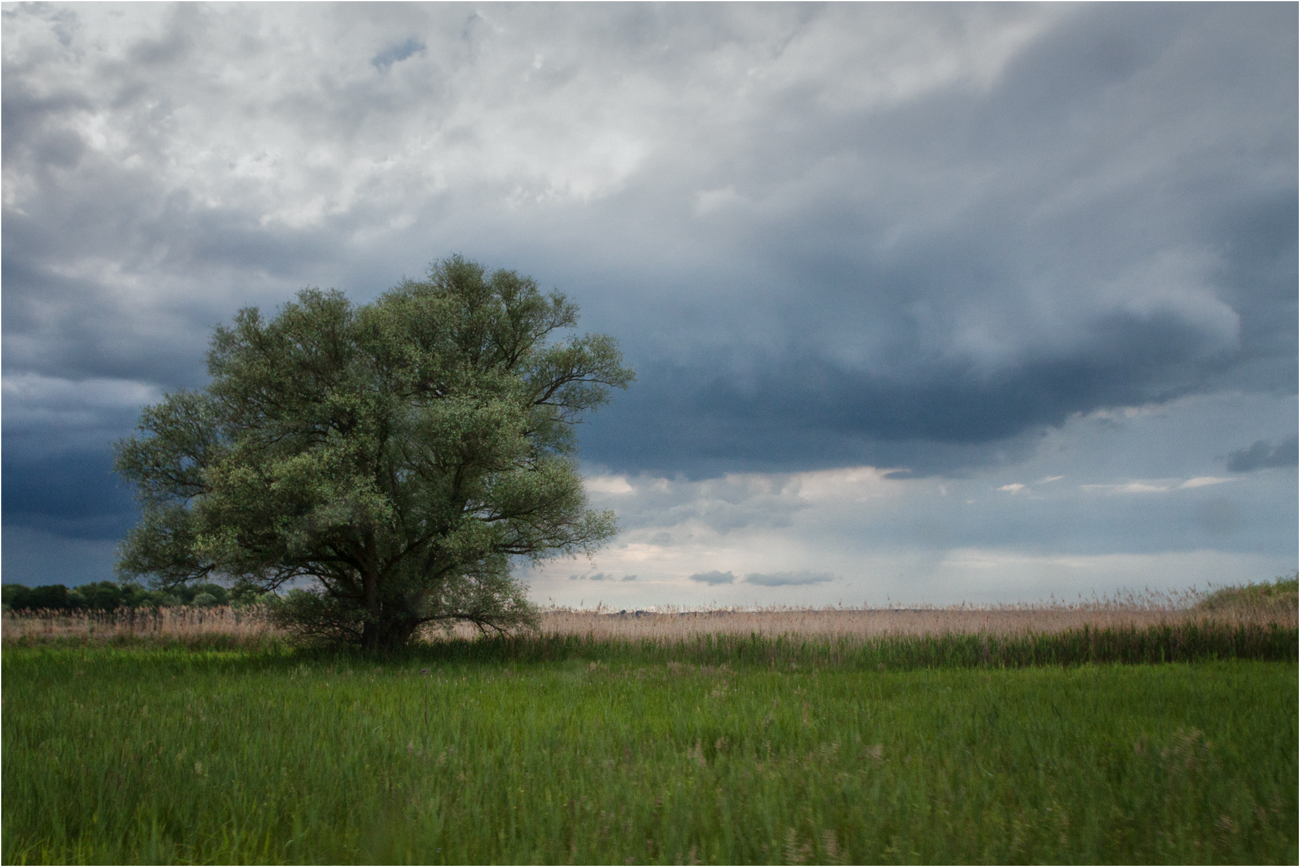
(874, 622)
(183, 624)
(673, 624)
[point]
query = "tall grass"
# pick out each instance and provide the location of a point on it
(136, 754)
(1185, 642)
(776, 736)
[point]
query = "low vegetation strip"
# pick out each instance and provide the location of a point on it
(1189, 638)
(191, 626)
(1184, 642)
(443, 755)
(1262, 604)
(1252, 608)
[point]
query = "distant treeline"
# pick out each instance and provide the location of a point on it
(111, 596)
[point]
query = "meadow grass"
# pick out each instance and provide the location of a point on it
(716, 749)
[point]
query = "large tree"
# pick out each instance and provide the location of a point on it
(399, 455)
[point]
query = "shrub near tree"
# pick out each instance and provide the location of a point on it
(396, 457)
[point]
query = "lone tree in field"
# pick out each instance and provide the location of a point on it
(401, 454)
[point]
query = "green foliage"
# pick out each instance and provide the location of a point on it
(50, 597)
(1281, 593)
(101, 596)
(128, 756)
(245, 595)
(398, 456)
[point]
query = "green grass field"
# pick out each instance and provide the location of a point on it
(620, 753)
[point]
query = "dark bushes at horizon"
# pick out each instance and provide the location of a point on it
(111, 596)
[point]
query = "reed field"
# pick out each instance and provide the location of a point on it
(1258, 605)
(943, 736)
(222, 626)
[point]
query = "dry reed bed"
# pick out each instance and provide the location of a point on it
(248, 626)
(183, 624)
(878, 622)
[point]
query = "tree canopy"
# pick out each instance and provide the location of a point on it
(397, 457)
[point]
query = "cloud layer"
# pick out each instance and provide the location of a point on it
(910, 238)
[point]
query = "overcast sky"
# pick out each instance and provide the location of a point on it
(930, 304)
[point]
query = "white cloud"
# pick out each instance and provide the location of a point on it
(1156, 486)
(1203, 481)
(1144, 487)
(849, 483)
(608, 484)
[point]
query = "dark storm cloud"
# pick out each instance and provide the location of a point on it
(1263, 455)
(1067, 246)
(803, 411)
(70, 494)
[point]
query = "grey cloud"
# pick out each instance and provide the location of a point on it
(722, 504)
(1263, 454)
(802, 411)
(825, 235)
(1084, 512)
(70, 327)
(396, 53)
(36, 557)
(72, 494)
(905, 388)
(788, 579)
(714, 577)
(174, 44)
(601, 576)
(1219, 516)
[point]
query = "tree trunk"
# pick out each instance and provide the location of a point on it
(372, 634)
(388, 626)
(387, 633)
